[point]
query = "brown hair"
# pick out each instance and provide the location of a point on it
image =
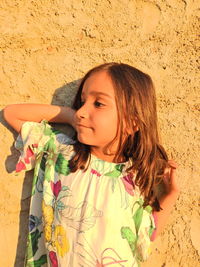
(136, 101)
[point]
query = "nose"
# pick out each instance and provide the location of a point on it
(82, 112)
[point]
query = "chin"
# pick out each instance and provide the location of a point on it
(83, 140)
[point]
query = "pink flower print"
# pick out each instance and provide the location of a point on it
(107, 257)
(56, 187)
(128, 183)
(29, 154)
(95, 172)
(20, 166)
(53, 259)
(35, 145)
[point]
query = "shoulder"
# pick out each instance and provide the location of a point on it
(58, 141)
(44, 136)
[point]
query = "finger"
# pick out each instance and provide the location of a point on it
(167, 172)
(172, 164)
(173, 180)
(172, 174)
(166, 177)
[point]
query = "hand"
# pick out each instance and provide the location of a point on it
(170, 179)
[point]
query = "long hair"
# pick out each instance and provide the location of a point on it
(136, 103)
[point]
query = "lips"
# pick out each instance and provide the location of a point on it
(82, 126)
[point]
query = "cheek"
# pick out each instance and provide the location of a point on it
(115, 122)
(86, 137)
(112, 127)
(105, 125)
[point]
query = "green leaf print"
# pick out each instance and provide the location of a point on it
(50, 145)
(33, 243)
(47, 131)
(62, 165)
(41, 159)
(60, 205)
(37, 263)
(55, 131)
(50, 162)
(65, 188)
(137, 217)
(151, 229)
(140, 201)
(47, 174)
(127, 234)
(120, 167)
(148, 209)
(116, 172)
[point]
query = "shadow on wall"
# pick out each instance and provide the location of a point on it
(62, 96)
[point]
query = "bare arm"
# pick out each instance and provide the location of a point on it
(17, 114)
(168, 200)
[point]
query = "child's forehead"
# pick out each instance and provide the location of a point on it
(98, 84)
(96, 94)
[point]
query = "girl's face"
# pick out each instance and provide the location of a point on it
(97, 119)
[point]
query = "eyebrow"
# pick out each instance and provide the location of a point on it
(96, 93)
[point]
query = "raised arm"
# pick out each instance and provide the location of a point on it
(168, 200)
(17, 114)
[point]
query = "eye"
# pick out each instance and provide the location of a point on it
(98, 104)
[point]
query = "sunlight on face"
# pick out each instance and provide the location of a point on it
(97, 119)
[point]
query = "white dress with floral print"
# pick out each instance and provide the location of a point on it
(91, 218)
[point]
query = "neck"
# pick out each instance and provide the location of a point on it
(105, 156)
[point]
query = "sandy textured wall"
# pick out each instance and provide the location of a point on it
(47, 45)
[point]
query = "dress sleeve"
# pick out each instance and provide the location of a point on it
(34, 139)
(145, 233)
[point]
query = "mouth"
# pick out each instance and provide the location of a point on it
(82, 126)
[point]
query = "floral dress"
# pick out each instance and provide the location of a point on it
(91, 219)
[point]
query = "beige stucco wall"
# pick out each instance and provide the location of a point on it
(47, 45)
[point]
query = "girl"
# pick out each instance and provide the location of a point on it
(94, 197)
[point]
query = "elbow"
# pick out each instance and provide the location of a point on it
(7, 114)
